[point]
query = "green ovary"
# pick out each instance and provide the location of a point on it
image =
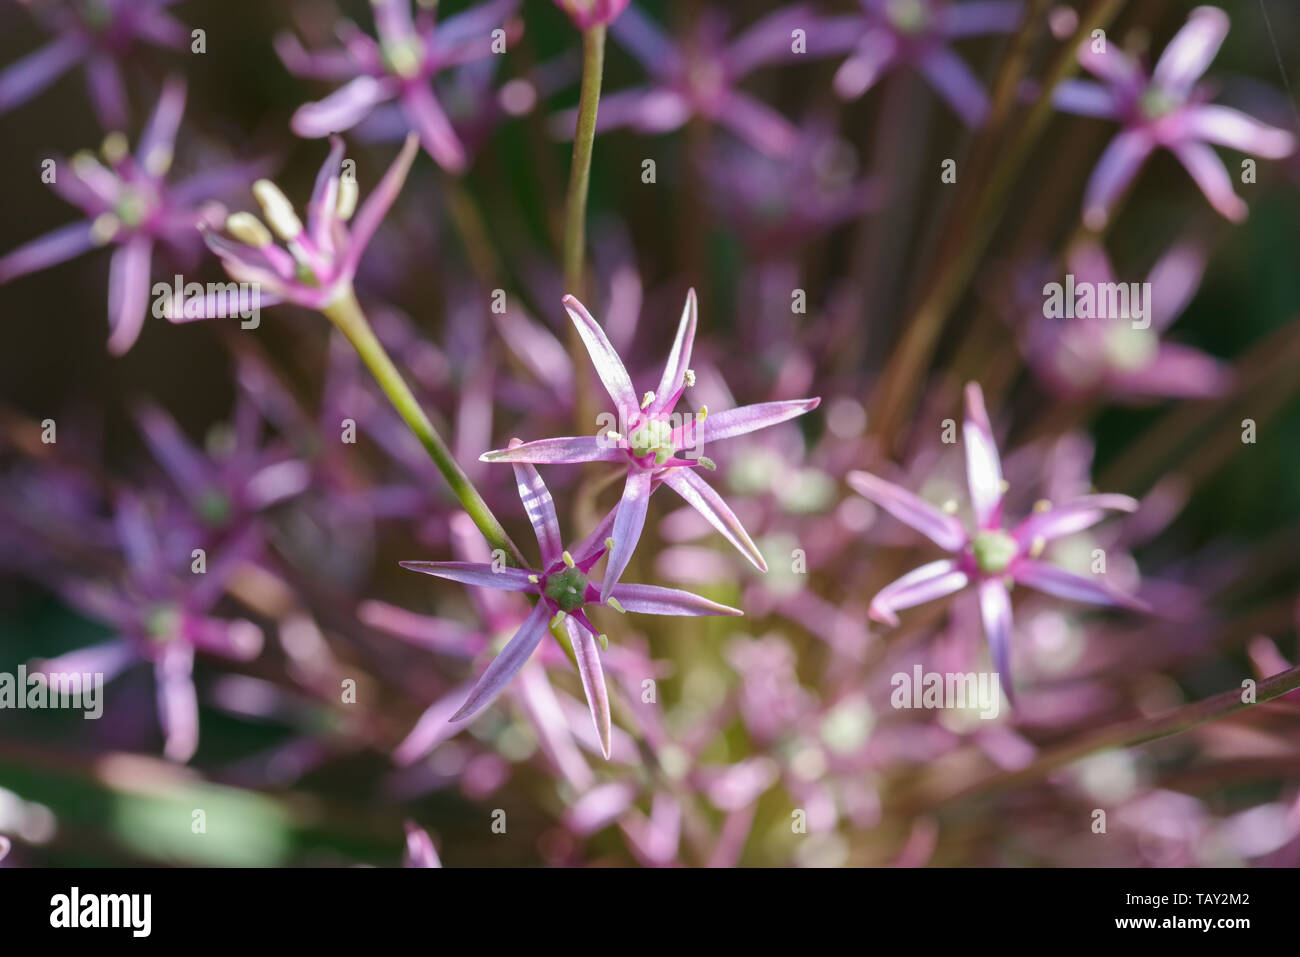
(1130, 349)
(1156, 103)
(567, 588)
(908, 16)
(994, 551)
(654, 438)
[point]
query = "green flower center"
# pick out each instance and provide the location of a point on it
(994, 551)
(1156, 103)
(1130, 349)
(654, 438)
(163, 623)
(908, 16)
(214, 507)
(567, 588)
(404, 58)
(130, 209)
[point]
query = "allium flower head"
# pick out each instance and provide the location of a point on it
(891, 33)
(101, 34)
(700, 78)
(656, 444)
(1169, 108)
(989, 557)
(398, 66)
(320, 259)
(127, 202)
(564, 588)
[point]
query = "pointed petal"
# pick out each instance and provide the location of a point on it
(978, 17)
(49, 250)
(1191, 51)
(341, 110)
(474, 573)
(507, 664)
(1115, 170)
(874, 54)
(655, 600)
(1084, 98)
(23, 79)
(322, 208)
(701, 497)
(759, 125)
(646, 41)
(1207, 169)
(607, 362)
(587, 654)
(750, 418)
(159, 136)
(377, 204)
(679, 359)
(942, 529)
(628, 522)
(983, 467)
(436, 133)
(1177, 371)
(957, 84)
(1070, 517)
(930, 581)
(1057, 581)
(128, 293)
(1237, 130)
(541, 512)
(995, 610)
(178, 703)
(561, 451)
(420, 851)
(768, 40)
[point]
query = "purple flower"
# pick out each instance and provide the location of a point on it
(888, 34)
(989, 558)
(102, 34)
(420, 851)
(699, 79)
(1166, 108)
(656, 443)
(322, 257)
(128, 202)
(592, 13)
(564, 588)
(399, 66)
(1119, 356)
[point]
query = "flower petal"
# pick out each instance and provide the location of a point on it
(1057, 581)
(930, 581)
(587, 655)
(23, 79)
(679, 359)
(628, 522)
(474, 573)
(995, 610)
(1232, 128)
(561, 451)
(656, 600)
(1115, 170)
(128, 293)
(983, 467)
(541, 512)
(178, 703)
(750, 418)
(1191, 51)
(507, 664)
(701, 497)
(942, 529)
(377, 204)
(1207, 169)
(341, 110)
(607, 362)
(759, 125)
(874, 54)
(436, 132)
(1084, 99)
(1070, 517)
(956, 83)
(49, 250)
(159, 135)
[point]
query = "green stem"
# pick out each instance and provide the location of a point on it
(345, 312)
(575, 206)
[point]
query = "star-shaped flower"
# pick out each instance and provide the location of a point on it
(127, 202)
(1166, 108)
(321, 258)
(989, 558)
(888, 34)
(564, 589)
(397, 67)
(657, 444)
